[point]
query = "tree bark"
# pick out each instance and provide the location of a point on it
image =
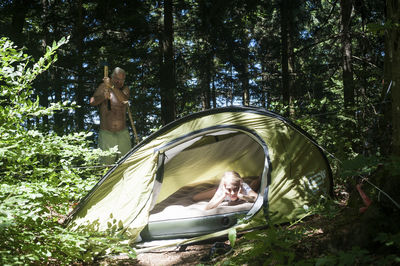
(214, 93)
(167, 77)
(205, 77)
(346, 8)
(244, 78)
(20, 9)
(79, 88)
(392, 67)
(43, 85)
(264, 74)
(57, 87)
(287, 54)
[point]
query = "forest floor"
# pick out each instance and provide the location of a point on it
(324, 234)
(314, 244)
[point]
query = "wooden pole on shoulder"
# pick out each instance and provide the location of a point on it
(132, 123)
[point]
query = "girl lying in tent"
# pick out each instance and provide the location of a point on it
(231, 188)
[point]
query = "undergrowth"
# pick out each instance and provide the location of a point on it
(323, 238)
(39, 182)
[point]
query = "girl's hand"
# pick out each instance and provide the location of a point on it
(240, 195)
(224, 191)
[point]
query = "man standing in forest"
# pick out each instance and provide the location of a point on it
(112, 98)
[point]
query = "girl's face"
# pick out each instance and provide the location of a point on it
(232, 190)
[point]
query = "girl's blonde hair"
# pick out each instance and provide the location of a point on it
(232, 178)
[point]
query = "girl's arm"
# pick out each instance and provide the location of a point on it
(218, 197)
(215, 201)
(250, 197)
(204, 195)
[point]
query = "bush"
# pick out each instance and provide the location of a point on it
(39, 182)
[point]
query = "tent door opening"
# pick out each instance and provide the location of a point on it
(194, 163)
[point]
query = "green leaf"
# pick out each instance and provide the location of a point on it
(232, 236)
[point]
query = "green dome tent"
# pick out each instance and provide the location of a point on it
(149, 192)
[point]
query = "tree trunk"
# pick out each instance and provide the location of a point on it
(43, 85)
(79, 88)
(214, 93)
(392, 67)
(244, 77)
(287, 23)
(346, 8)
(205, 78)
(229, 96)
(57, 88)
(206, 95)
(167, 77)
(20, 9)
(264, 74)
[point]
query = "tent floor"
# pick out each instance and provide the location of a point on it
(180, 216)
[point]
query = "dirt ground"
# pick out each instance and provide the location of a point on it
(191, 255)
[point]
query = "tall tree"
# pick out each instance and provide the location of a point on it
(20, 9)
(205, 79)
(267, 27)
(392, 66)
(287, 23)
(346, 9)
(43, 81)
(79, 87)
(204, 56)
(167, 76)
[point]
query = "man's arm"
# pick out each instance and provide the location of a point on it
(101, 94)
(122, 95)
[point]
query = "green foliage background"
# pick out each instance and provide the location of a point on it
(39, 180)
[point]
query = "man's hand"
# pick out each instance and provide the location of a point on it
(107, 82)
(107, 94)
